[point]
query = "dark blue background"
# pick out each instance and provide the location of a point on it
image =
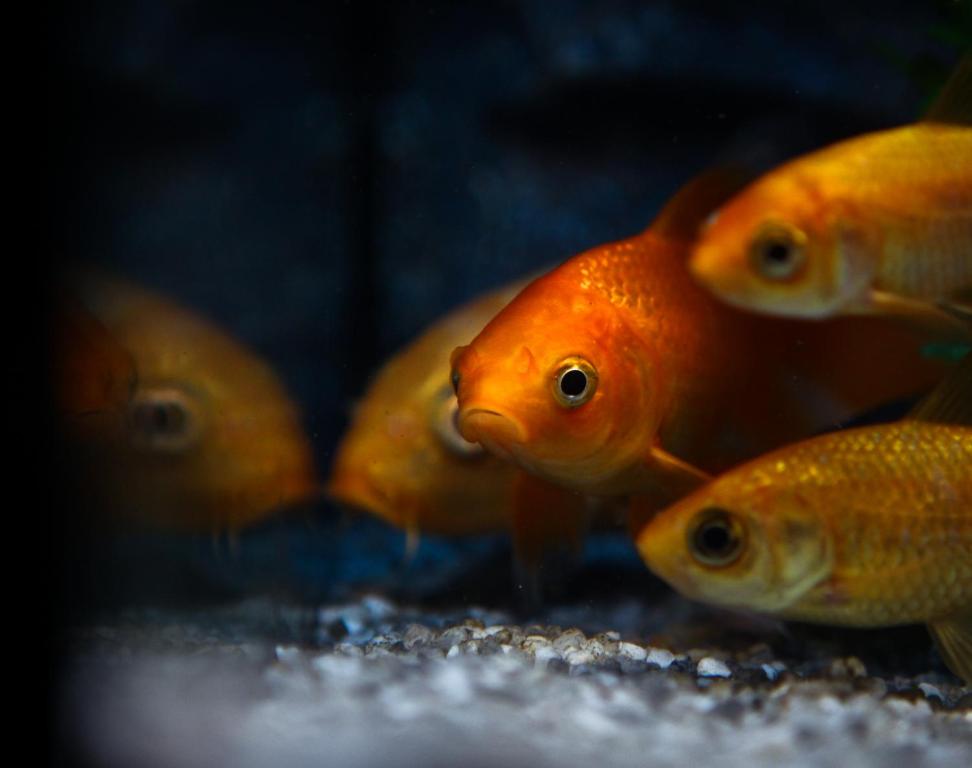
(325, 179)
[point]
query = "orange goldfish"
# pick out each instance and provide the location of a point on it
(867, 527)
(881, 223)
(404, 460)
(205, 437)
(616, 373)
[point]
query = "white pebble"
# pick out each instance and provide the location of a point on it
(930, 691)
(595, 648)
(377, 607)
(633, 651)
(710, 667)
(578, 656)
(660, 657)
(287, 654)
(545, 653)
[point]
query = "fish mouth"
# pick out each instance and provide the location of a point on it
(358, 489)
(497, 432)
(664, 558)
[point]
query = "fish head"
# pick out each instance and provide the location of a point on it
(407, 463)
(210, 439)
(403, 458)
(739, 544)
(782, 247)
(211, 451)
(556, 382)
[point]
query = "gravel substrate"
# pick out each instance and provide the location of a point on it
(373, 683)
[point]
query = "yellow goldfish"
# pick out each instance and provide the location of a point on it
(880, 223)
(866, 527)
(616, 373)
(205, 437)
(404, 460)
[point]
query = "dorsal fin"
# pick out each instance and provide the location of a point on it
(687, 209)
(951, 401)
(954, 101)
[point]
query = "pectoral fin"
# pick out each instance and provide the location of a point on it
(938, 318)
(951, 401)
(413, 538)
(546, 518)
(954, 640)
(959, 305)
(547, 523)
(678, 476)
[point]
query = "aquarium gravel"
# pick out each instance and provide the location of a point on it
(374, 683)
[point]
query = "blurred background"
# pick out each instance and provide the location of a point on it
(323, 180)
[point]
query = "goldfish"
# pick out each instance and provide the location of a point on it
(615, 373)
(202, 435)
(866, 527)
(404, 460)
(93, 375)
(879, 223)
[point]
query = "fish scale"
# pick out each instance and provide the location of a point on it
(919, 254)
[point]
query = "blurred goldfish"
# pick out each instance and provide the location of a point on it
(203, 436)
(404, 460)
(93, 375)
(866, 527)
(881, 223)
(615, 373)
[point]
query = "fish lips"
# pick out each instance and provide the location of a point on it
(359, 489)
(497, 433)
(664, 556)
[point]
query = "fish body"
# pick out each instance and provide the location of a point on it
(879, 223)
(404, 460)
(865, 527)
(616, 373)
(205, 438)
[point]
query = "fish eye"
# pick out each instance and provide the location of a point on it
(575, 382)
(446, 424)
(454, 378)
(162, 420)
(778, 252)
(716, 538)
